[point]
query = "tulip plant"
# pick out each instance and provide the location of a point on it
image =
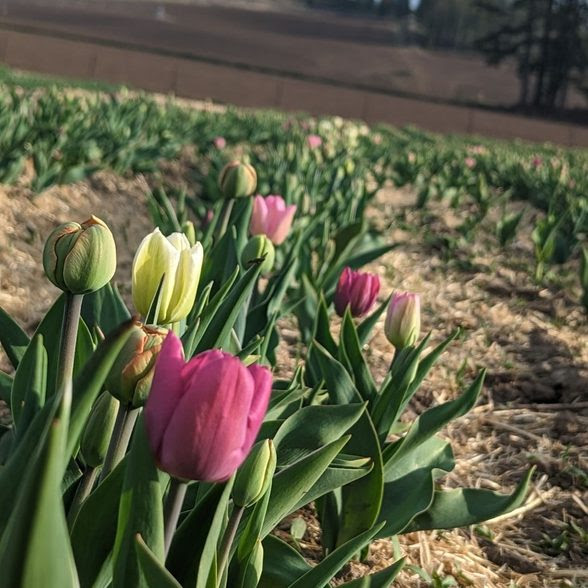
(153, 446)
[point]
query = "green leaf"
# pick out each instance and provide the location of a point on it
(190, 536)
(323, 572)
(335, 477)
(218, 329)
(105, 309)
(410, 483)
(292, 484)
(339, 384)
(207, 570)
(322, 330)
(153, 573)
(13, 339)
(29, 385)
(361, 500)
(209, 312)
(381, 579)
(469, 506)
(428, 362)
(35, 548)
(140, 511)
(6, 383)
(427, 424)
(365, 327)
(96, 525)
(88, 383)
(350, 347)
(282, 564)
(313, 427)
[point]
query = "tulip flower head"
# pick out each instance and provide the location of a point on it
(179, 264)
(314, 141)
(358, 290)
(403, 319)
(220, 142)
(203, 416)
(237, 180)
(131, 374)
(271, 217)
(80, 258)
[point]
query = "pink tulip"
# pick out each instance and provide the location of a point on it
(403, 319)
(203, 416)
(357, 290)
(271, 217)
(470, 162)
(220, 142)
(314, 141)
(537, 161)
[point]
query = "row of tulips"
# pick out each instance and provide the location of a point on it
(161, 451)
(305, 160)
(166, 450)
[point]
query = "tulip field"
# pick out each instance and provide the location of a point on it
(247, 348)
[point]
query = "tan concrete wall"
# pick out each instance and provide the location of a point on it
(196, 79)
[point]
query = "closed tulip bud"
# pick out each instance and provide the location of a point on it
(178, 263)
(80, 258)
(203, 416)
(356, 290)
(131, 374)
(98, 430)
(255, 475)
(403, 319)
(237, 180)
(271, 217)
(258, 248)
(253, 568)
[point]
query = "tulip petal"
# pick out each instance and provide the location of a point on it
(186, 284)
(262, 379)
(155, 257)
(258, 223)
(166, 390)
(207, 431)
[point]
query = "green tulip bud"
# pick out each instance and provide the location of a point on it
(259, 247)
(253, 567)
(255, 475)
(98, 430)
(131, 374)
(80, 258)
(237, 180)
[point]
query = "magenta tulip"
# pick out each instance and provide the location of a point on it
(358, 290)
(203, 416)
(271, 217)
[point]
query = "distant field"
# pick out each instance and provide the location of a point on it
(340, 48)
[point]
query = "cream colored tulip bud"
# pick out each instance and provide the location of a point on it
(173, 259)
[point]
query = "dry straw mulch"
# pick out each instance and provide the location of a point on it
(533, 342)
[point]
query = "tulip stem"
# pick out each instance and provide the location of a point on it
(225, 216)
(119, 442)
(173, 508)
(228, 538)
(69, 334)
(84, 488)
